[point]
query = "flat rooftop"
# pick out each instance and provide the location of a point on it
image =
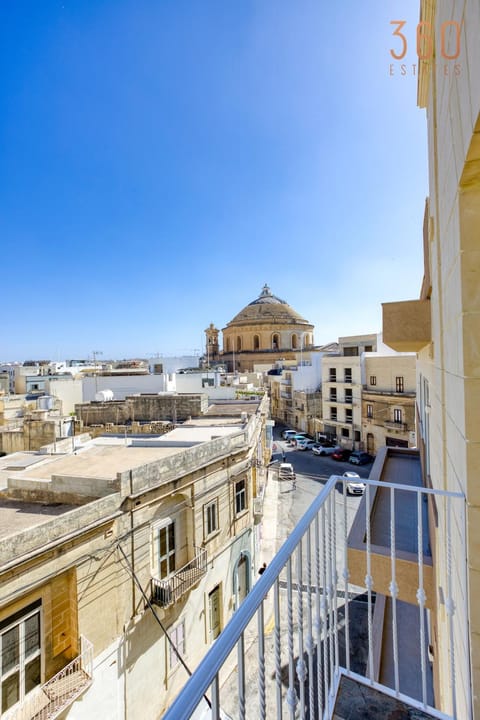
(18, 515)
(106, 456)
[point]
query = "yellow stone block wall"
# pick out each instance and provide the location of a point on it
(59, 621)
(452, 363)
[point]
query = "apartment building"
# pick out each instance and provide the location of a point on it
(122, 561)
(368, 395)
(388, 401)
(296, 393)
(342, 389)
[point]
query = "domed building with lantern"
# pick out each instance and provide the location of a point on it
(264, 332)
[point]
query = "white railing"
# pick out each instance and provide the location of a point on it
(166, 592)
(312, 628)
(48, 701)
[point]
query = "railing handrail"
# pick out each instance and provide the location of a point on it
(199, 683)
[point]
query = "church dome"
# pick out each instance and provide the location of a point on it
(267, 309)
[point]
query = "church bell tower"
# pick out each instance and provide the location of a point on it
(211, 344)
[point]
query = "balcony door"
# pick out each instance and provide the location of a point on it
(165, 559)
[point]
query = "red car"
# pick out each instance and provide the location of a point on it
(341, 454)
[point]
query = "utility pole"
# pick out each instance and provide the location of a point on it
(95, 353)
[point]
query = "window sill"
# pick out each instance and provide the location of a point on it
(212, 536)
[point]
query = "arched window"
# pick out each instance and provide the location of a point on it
(228, 348)
(239, 343)
(275, 342)
(294, 342)
(256, 342)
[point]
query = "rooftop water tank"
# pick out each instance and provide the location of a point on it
(45, 402)
(104, 396)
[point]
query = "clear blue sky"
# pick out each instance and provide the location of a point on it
(160, 160)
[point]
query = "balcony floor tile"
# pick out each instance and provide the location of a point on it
(356, 701)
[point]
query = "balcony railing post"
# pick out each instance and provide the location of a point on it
(393, 587)
(421, 598)
(261, 663)
(333, 535)
(301, 667)
(241, 676)
(369, 583)
(346, 576)
(309, 642)
(450, 608)
(278, 651)
(291, 694)
(329, 589)
(325, 627)
(318, 617)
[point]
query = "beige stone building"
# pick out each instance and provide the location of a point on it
(266, 330)
(342, 389)
(30, 424)
(388, 401)
(121, 562)
(443, 327)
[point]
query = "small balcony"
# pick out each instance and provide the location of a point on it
(325, 644)
(257, 509)
(48, 701)
(407, 325)
(392, 425)
(169, 591)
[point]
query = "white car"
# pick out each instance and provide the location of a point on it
(306, 444)
(355, 486)
(286, 471)
(322, 449)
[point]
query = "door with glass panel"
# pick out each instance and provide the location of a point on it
(20, 651)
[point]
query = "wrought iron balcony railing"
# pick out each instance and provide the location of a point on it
(168, 591)
(326, 631)
(48, 701)
(393, 425)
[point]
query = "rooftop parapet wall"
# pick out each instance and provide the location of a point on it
(71, 490)
(174, 466)
(175, 407)
(169, 468)
(74, 522)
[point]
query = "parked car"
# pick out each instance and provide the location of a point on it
(287, 433)
(355, 486)
(293, 439)
(286, 471)
(360, 458)
(325, 440)
(341, 454)
(305, 444)
(322, 450)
